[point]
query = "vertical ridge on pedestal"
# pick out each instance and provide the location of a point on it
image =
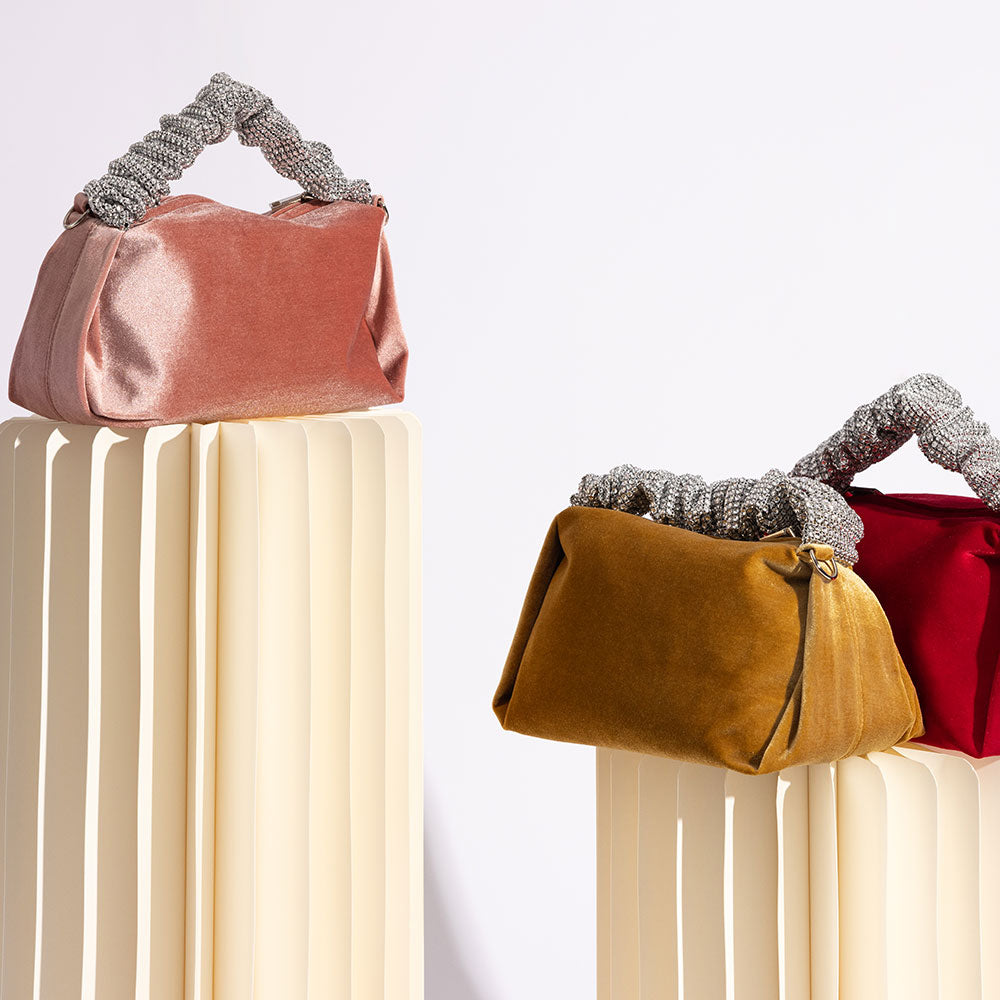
(32, 478)
(8, 440)
(605, 835)
(862, 841)
(162, 713)
(330, 518)
(792, 807)
(988, 775)
(824, 892)
(415, 785)
(398, 859)
(202, 681)
(910, 876)
(701, 818)
(281, 951)
(76, 714)
(53, 444)
(113, 780)
(657, 862)
(625, 973)
(238, 710)
(957, 873)
(368, 700)
(751, 916)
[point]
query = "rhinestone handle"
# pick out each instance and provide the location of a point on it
(139, 179)
(746, 509)
(924, 406)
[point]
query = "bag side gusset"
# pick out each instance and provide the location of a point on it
(47, 371)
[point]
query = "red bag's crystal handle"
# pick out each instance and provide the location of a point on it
(926, 407)
(138, 180)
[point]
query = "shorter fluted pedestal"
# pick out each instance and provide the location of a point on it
(874, 878)
(210, 673)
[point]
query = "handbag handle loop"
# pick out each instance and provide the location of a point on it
(927, 407)
(747, 509)
(139, 179)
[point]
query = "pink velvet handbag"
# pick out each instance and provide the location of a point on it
(154, 310)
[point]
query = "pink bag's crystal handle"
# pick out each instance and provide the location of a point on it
(139, 179)
(927, 407)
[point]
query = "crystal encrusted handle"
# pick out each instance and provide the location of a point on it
(927, 407)
(745, 509)
(139, 179)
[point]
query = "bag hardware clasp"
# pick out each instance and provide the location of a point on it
(83, 215)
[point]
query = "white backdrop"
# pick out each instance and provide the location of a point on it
(676, 233)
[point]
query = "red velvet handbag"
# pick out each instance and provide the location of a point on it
(933, 561)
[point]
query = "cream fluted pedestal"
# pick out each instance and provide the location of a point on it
(210, 684)
(872, 879)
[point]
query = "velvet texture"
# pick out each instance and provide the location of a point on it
(934, 563)
(204, 312)
(644, 637)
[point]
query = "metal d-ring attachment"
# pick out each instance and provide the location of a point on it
(83, 215)
(788, 532)
(821, 566)
(290, 200)
(379, 202)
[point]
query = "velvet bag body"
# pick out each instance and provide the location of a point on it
(740, 654)
(933, 561)
(934, 564)
(204, 312)
(152, 310)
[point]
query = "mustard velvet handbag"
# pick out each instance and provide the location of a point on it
(748, 643)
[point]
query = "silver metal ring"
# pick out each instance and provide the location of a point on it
(821, 567)
(72, 225)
